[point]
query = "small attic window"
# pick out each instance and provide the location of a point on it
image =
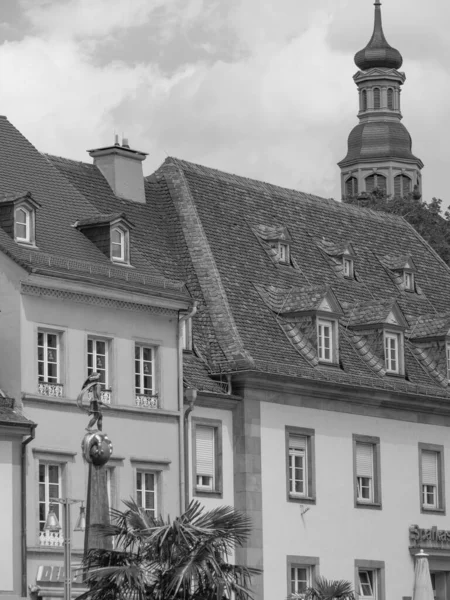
(24, 224)
(393, 352)
(348, 267)
(408, 280)
(120, 251)
(283, 253)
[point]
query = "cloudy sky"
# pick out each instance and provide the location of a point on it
(261, 88)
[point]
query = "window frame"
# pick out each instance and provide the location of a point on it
(217, 489)
(147, 471)
(153, 349)
(354, 183)
(186, 334)
(376, 502)
(59, 347)
(124, 257)
(398, 336)
(310, 497)
(447, 358)
(311, 563)
(283, 253)
(29, 211)
(440, 495)
(375, 98)
(347, 260)
(108, 352)
(377, 567)
(409, 286)
(327, 321)
(390, 104)
(59, 513)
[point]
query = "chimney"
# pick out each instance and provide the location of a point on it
(122, 168)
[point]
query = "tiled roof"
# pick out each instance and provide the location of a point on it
(430, 325)
(243, 293)
(9, 415)
(196, 375)
(60, 246)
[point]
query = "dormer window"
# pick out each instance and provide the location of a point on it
(119, 245)
(326, 340)
(408, 279)
(348, 267)
(23, 224)
(283, 253)
(392, 352)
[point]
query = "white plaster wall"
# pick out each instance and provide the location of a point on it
(7, 551)
(122, 327)
(333, 529)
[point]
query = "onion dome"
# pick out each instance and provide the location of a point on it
(378, 53)
(379, 140)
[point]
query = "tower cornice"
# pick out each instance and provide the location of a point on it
(378, 73)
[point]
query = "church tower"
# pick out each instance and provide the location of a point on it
(379, 147)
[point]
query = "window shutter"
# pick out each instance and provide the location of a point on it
(364, 460)
(204, 446)
(429, 467)
(297, 442)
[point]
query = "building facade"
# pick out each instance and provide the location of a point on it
(379, 148)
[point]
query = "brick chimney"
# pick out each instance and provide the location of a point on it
(122, 168)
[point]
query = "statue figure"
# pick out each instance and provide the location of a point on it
(92, 384)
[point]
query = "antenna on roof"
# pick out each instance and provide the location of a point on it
(116, 139)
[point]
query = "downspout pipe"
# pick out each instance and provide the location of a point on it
(182, 317)
(191, 397)
(23, 494)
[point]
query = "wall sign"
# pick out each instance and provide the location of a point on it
(429, 538)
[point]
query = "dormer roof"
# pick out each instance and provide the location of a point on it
(430, 326)
(398, 262)
(375, 312)
(102, 219)
(297, 300)
(17, 197)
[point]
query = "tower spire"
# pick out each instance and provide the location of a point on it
(378, 53)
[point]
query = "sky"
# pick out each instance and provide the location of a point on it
(260, 88)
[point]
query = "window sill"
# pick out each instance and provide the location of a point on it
(395, 375)
(432, 511)
(122, 263)
(302, 499)
(208, 493)
(369, 505)
(332, 365)
(26, 244)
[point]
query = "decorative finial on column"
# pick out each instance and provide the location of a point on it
(377, 3)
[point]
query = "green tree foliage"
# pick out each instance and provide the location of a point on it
(426, 218)
(185, 559)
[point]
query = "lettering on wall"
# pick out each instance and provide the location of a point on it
(428, 538)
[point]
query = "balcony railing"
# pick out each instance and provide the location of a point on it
(105, 396)
(145, 401)
(51, 538)
(53, 390)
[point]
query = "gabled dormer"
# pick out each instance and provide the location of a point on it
(276, 241)
(402, 270)
(382, 324)
(309, 316)
(341, 257)
(110, 233)
(18, 217)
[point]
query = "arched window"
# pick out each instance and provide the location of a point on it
(22, 224)
(364, 100)
(375, 181)
(390, 98)
(402, 185)
(376, 98)
(119, 244)
(351, 186)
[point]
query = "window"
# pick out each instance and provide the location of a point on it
(119, 245)
(48, 345)
(402, 185)
(300, 464)
(408, 279)
(146, 491)
(23, 224)
(326, 345)
(49, 487)
(207, 456)
(351, 186)
(447, 353)
(301, 573)
(392, 352)
(144, 366)
(186, 334)
(369, 579)
(97, 360)
(364, 100)
(283, 253)
(376, 98)
(348, 267)
(375, 181)
(366, 461)
(431, 472)
(390, 99)
(367, 584)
